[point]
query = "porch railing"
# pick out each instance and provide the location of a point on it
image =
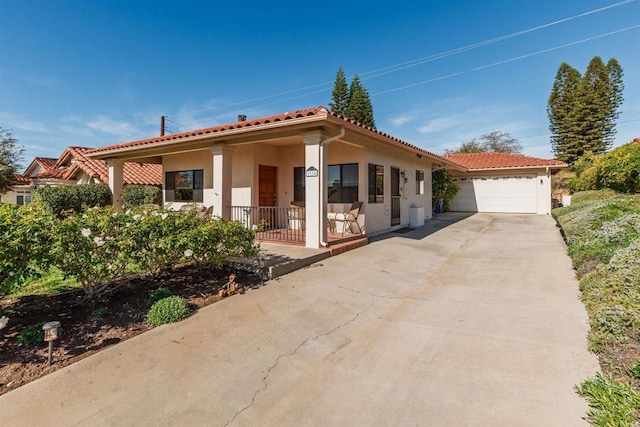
(272, 222)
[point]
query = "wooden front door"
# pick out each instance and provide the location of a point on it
(395, 196)
(268, 186)
(267, 196)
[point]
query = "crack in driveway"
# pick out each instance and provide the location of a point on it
(275, 365)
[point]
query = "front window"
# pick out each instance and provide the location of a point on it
(184, 186)
(343, 183)
(376, 183)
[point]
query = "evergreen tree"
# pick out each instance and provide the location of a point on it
(582, 110)
(10, 157)
(340, 94)
(360, 108)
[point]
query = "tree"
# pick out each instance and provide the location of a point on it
(360, 108)
(352, 101)
(582, 110)
(10, 157)
(498, 142)
(561, 110)
(340, 94)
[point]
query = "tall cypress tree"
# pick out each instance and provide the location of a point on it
(582, 110)
(340, 94)
(561, 110)
(360, 108)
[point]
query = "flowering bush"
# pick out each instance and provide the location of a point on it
(158, 237)
(215, 240)
(90, 247)
(101, 244)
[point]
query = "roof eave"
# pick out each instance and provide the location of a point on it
(226, 134)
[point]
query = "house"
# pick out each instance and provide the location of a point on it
(503, 183)
(312, 158)
(73, 168)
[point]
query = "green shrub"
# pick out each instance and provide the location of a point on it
(136, 195)
(100, 312)
(31, 336)
(620, 169)
(160, 293)
(443, 187)
(25, 239)
(73, 198)
(635, 370)
(612, 403)
(168, 310)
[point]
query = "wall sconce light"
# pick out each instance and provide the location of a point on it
(419, 155)
(50, 334)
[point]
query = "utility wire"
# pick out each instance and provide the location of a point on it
(412, 63)
(517, 58)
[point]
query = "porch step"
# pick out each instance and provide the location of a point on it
(344, 246)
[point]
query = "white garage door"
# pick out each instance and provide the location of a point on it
(505, 193)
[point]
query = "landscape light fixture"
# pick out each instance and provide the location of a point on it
(50, 335)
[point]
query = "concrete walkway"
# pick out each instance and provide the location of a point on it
(468, 323)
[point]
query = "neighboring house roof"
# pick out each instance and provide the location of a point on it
(301, 116)
(133, 173)
(73, 160)
(19, 179)
(483, 161)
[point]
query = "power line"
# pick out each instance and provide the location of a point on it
(412, 63)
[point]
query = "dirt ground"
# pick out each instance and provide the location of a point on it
(83, 333)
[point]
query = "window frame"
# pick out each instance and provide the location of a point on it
(344, 190)
(299, 184)
(172, 188)
(375, 174)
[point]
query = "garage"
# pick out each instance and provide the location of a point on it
(503, 183)
(503, 194)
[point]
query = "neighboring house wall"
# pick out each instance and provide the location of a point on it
(19, 195)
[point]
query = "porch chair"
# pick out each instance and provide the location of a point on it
(295, 216)
(349, 218)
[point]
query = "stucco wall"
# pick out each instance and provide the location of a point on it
(248, 158)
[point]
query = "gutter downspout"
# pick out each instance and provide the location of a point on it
(323, 188)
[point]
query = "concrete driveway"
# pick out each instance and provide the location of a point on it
(474, 322)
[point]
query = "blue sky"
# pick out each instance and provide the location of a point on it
(93, 73)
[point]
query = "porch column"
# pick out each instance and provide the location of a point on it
(315, 189)
(222, 169)
(116, 180)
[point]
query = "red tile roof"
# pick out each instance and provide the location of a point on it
(300, 114)
(74, 159)
(475, 161)
(20, 179)
(133, 173)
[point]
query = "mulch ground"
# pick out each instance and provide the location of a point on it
(619, 360)
(83, 333)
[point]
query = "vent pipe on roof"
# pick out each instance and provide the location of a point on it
(161, 125)
(242, 117)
